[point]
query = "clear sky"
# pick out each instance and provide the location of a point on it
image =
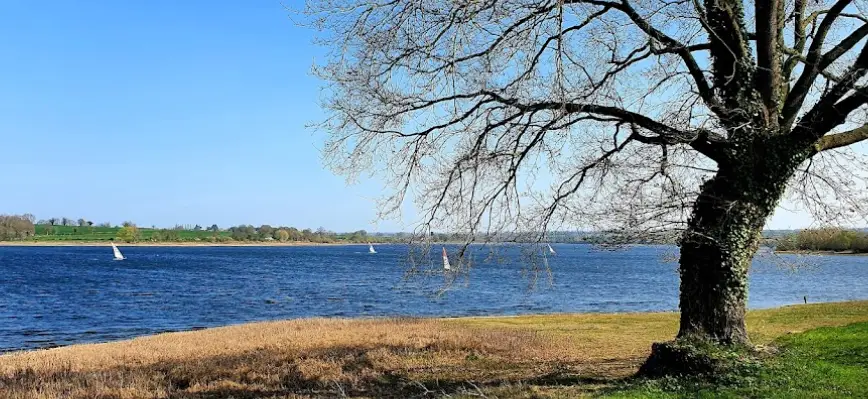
(167, 111)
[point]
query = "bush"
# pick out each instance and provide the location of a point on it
(128, 233)
(825, 239)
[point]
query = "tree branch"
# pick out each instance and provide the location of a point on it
(833, 108)
(831, 56)
(800, 38)
(730, 53)
(768, 73)
(683, 51)
(558, 36)
(799, 92)
(701, 140)
(842, 139)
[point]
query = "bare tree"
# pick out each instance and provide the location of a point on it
(630, 116)
(30, 218)
(16, 227)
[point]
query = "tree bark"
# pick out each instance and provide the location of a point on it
(724, 232)
(716, 251)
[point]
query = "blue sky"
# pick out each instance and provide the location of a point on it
(166, 112)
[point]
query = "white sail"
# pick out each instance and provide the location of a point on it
(551, 250)
(371, 249)
(117, 252)
(446, 265)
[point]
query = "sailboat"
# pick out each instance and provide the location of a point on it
(117, 252)
(371, 249)
(551, 250)
(446, 265)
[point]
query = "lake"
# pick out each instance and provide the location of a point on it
(52, 296)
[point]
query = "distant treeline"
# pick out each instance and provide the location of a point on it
(129, 232)
(826, 239)
(25, 227)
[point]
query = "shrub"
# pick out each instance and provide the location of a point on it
(825, 239)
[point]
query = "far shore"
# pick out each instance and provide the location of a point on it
(76, 243)
(174, 244)
(84, 243)
(822, 253)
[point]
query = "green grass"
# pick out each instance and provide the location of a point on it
(828, 362)
(94, 233)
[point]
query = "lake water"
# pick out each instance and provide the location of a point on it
(53, 296)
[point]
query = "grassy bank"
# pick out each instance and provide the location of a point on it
(546, 355)
(828, 362)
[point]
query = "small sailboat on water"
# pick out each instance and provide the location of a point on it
(117, 252)
(551, 250)
(446, 266)
(371, 249)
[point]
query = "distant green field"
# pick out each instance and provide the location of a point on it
(94, 233)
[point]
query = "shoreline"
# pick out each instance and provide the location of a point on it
(60, 243)
(336, 357)
(470, 319)
(840, 253)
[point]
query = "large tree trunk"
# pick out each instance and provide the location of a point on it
(722, 236)
(716, 251)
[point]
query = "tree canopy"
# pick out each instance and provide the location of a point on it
(607, 114)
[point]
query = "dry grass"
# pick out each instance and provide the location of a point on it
(374, 358)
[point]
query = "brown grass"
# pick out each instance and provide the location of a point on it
(374, 358)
